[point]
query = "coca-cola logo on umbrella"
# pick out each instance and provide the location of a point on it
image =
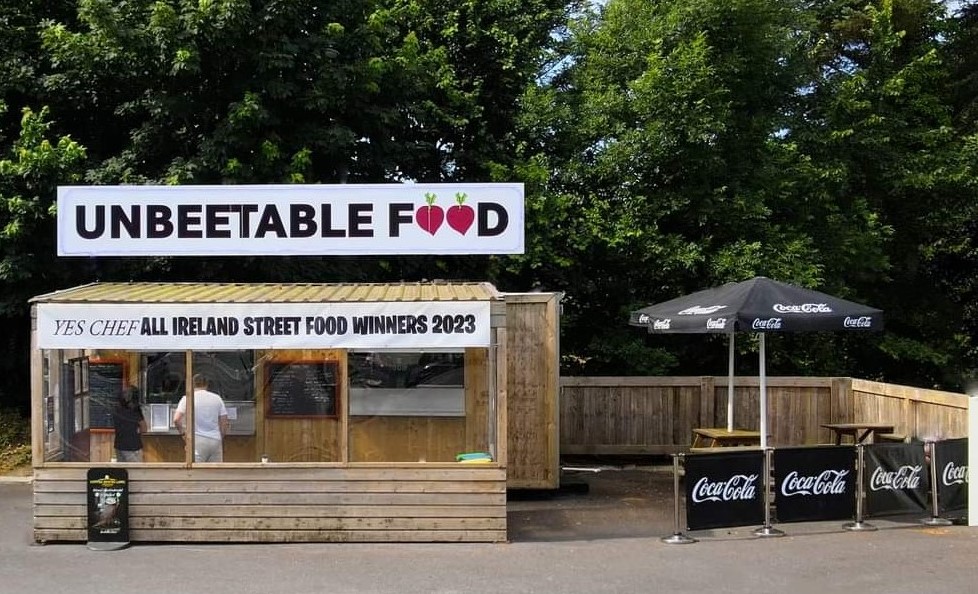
(860, 322)
(806, 308)
(716, 323)
(701, 310)
(766, 324)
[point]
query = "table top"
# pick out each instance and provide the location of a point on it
(721, 432)
(883, 427)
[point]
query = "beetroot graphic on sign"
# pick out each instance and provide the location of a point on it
(461, 216)
(430, 217)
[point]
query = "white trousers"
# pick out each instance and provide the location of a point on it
(208, 449)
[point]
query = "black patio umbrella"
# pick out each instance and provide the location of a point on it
(757, 305)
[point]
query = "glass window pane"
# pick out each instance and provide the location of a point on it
(417, 406)
(67, 438)
(302, 395)
(230, 375)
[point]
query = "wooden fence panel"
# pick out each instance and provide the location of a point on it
(916, 413)
(656, 415)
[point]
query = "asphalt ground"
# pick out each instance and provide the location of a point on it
(601, 533)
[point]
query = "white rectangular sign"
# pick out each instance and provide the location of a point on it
(230, 326)
(290, 220)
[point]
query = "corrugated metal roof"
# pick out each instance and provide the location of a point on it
(270, 293)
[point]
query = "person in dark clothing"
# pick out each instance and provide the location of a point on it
(129, 427)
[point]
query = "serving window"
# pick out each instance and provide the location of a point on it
(230, 374)
(413, 383)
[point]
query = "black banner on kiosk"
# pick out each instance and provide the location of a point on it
(897, 480)
(108, 508)
(951, 458)
(724, 490)
(815, 483)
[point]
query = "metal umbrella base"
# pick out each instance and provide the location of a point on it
(678, 538)
(768, 531)
(859, 527)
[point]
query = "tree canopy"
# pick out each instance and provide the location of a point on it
(665, 146)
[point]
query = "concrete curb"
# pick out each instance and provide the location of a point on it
(16, 479)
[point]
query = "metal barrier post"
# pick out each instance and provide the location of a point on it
(934, 519)
(767, 530)
(677, 536)
(859, 525)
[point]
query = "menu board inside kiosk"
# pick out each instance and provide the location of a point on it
(105, 385)
(302, 388)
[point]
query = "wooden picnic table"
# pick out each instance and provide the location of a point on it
(859, 431)
(718, 437)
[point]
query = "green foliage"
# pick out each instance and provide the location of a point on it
(878, 121)
(15, 436)
(665, 147)
(672, 171)
(15, 429)
(28, 177)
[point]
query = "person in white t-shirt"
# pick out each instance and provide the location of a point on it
(210, 422)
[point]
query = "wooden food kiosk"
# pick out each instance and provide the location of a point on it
(349, 406)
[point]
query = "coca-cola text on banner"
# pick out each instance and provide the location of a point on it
(951, 458)
(724, 489)
(896, 477)
(815, 483)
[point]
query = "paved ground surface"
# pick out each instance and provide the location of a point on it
(606, 539)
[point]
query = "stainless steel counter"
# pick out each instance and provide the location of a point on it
(159, 418)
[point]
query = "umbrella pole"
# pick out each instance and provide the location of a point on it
(763, 394)
(730, 387)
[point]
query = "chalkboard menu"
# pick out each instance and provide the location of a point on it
(105, 384)
(302, 389)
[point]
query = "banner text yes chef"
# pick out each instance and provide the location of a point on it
(347, 219)
(226, 326)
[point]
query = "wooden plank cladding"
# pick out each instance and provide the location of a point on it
(656, 415)
(533, 363)
(424, 503)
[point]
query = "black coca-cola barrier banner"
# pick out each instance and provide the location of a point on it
(724, 490)
(815, 483)
(896, 477)
(951, 458)
(108, 505)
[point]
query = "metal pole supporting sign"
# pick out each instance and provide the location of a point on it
(935, 518)
(677, 535)
(972, 452)
(859, 525)
(767, 530)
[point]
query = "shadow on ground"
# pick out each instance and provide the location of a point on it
(612, 499)
(597, 502)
